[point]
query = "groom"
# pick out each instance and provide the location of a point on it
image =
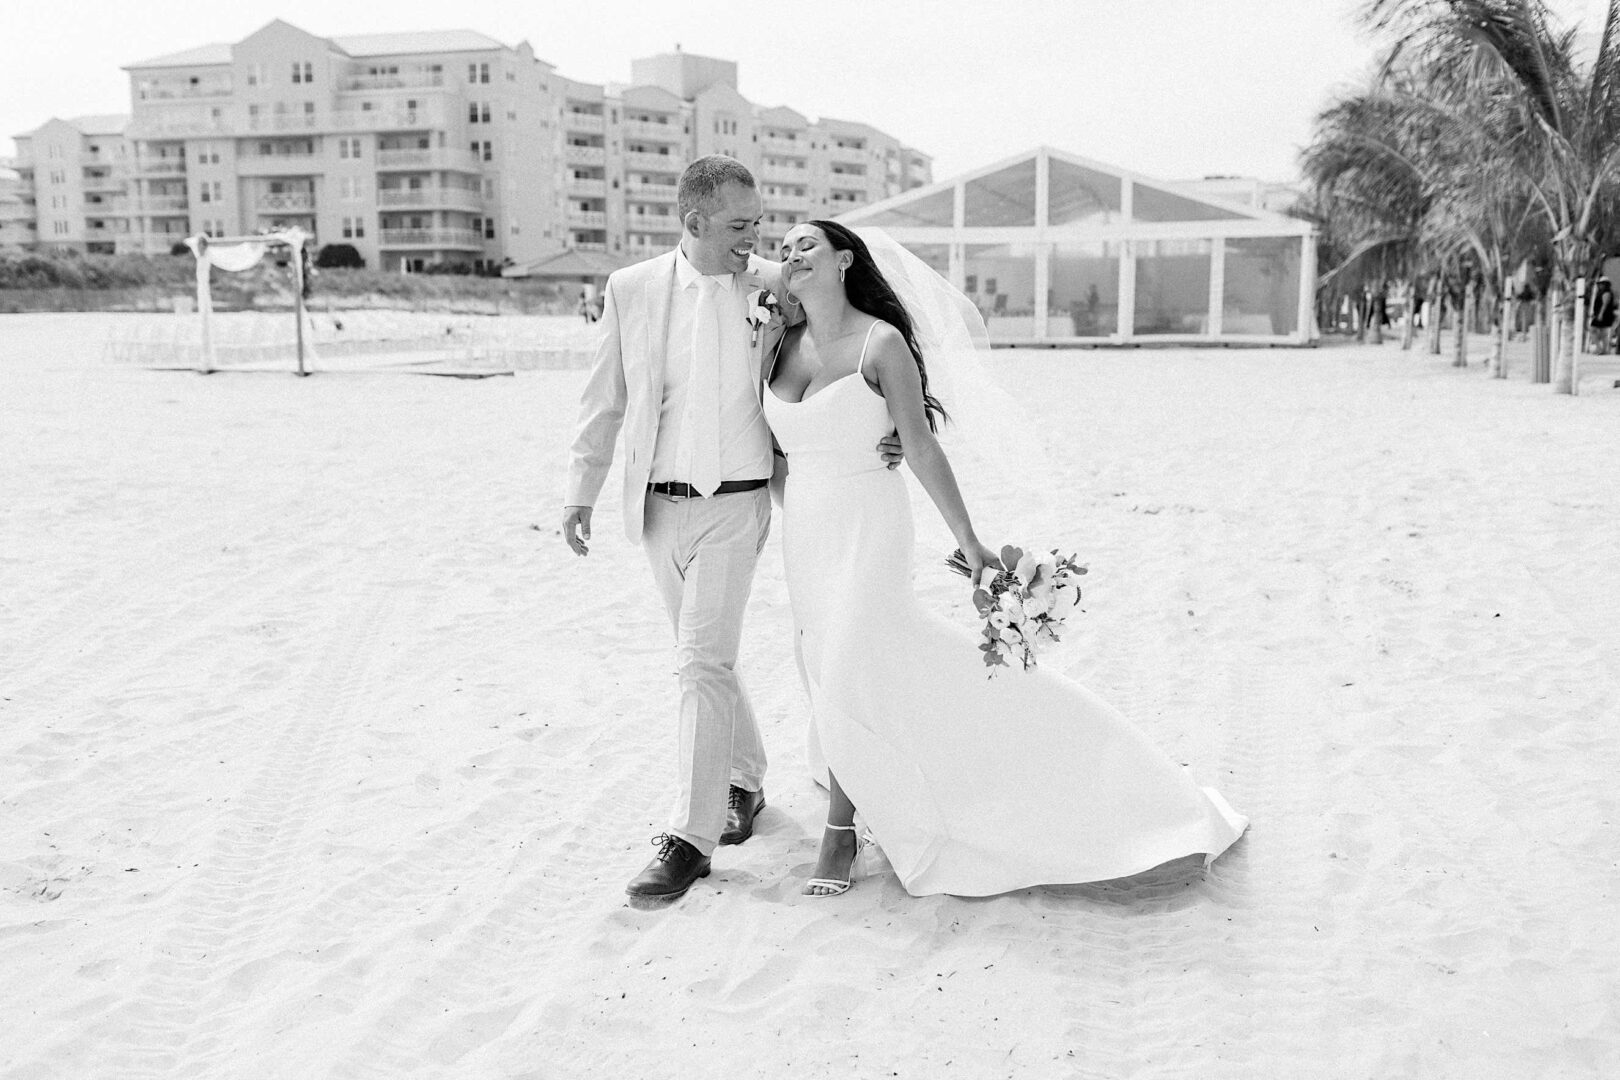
(679, 369)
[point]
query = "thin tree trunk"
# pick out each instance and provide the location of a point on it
(1538, 339)
(1410, 326)
(1556, 363)
(1499, 351)
(1375, 315)
(1459, 354)
(1437, 315)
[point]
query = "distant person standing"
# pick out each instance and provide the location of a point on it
(1603, 315)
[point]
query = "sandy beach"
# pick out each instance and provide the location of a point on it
(321, 756)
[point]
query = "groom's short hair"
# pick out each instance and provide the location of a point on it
(704, 178)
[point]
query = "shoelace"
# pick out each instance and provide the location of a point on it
(667, 846)
(737, 798)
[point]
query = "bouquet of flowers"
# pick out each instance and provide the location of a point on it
(1025, 606)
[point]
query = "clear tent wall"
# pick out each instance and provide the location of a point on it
(1056, 249)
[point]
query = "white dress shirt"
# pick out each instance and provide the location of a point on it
(745, 440)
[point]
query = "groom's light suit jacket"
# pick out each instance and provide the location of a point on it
(626, 386)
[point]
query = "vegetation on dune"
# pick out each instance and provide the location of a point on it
(73, 281)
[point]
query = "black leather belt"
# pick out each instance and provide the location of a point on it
(677, 490)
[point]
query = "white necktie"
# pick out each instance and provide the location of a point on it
(701, 424)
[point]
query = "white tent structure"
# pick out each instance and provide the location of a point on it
(1060, 250)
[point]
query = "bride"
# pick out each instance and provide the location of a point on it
(972, 786)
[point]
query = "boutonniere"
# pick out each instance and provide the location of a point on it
(762, 308)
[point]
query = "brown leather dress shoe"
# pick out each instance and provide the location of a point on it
(743, 806)
(672, 871)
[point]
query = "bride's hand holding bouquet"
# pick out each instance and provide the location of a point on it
(1025, 600)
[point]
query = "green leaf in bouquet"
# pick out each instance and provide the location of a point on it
(982, 601)
(1010, 556)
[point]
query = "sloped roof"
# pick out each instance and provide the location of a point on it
(201, 56)
(400, 44)
(570, 263)
(782, 116)
(417, 41)
(852, 127)
(102, 124)
(1005, 194)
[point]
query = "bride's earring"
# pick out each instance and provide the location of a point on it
(841, 270)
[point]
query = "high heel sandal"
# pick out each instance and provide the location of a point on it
(834, 886)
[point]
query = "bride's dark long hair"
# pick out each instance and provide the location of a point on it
(869, 291)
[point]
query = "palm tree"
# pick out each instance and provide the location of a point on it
(1368, 198)
(1552, 124)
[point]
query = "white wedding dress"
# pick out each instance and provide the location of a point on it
(971, 786)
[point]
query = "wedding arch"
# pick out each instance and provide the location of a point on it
(236, 254)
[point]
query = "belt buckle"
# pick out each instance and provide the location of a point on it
(672, 497)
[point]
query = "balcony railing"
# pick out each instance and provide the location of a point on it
(588, 245)
(660, 163)
(104, 182)
(788, 147)
(642, 129)
(416, 160)
(577, 121)
(430, 238)
(290, 123)
(390, 119)
(160, 167)
(453, 198)
(284, 202)
(584, 155)
(404, 80)
(784, 175)
(587, 219)
(158, 123)
(576, 186)
(186, 92)
(163, 205)
(651, 192)
(278, 164)
(787, 202)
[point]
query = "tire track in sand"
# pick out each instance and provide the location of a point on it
(229, 927)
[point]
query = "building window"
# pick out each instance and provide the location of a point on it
(489, 228)
(478, 73)
(484, 151)
(349, 148)
(354, 228)
(303, 72)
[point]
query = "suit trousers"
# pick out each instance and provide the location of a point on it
(703, 554)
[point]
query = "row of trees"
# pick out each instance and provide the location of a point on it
(1487, 149)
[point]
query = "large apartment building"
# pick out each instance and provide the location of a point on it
(434, 147)
(71, 189)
